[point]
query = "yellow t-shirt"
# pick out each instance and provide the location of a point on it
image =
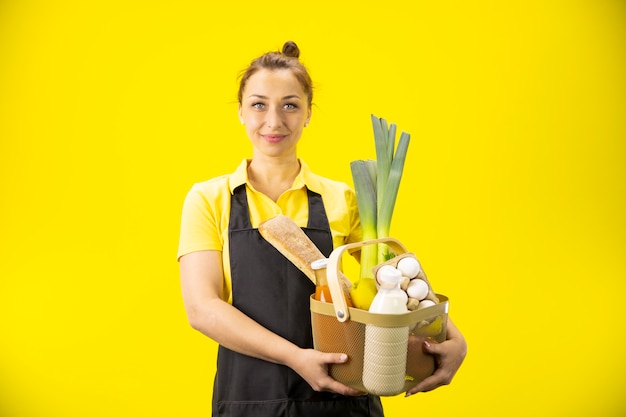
(206, 211)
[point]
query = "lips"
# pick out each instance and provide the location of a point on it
(273, 138)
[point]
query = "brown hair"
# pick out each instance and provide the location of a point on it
(285, 59)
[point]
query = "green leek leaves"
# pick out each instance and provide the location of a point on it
(376, 184)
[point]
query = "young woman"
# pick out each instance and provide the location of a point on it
(239, 291)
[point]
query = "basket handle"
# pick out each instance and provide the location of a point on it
(333, 272)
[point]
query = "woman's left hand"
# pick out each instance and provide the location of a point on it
(449, 356)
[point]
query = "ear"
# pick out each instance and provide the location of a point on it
(240, 115)
(308, 118)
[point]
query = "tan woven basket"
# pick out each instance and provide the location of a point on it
(339, 328)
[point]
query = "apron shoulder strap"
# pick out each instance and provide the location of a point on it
(239, 213)
(317, 212)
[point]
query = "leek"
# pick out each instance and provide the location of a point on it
(364, 186)
(376, 184)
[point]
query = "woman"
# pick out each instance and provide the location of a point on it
(239, 291)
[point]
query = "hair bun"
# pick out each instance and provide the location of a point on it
(290, 49)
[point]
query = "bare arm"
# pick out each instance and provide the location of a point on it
(202, 281)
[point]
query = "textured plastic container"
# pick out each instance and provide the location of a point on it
(339, 328)
(385, 352)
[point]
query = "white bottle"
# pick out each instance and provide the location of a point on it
(384, 364)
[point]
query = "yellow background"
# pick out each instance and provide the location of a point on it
(513, 196)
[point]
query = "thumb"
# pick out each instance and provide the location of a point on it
(337, 358)
(430, 346)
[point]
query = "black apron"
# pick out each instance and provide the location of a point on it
(271, 290)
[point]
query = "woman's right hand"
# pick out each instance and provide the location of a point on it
(313, 365)
(202, 284)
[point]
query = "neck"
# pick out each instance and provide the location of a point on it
(273, 177)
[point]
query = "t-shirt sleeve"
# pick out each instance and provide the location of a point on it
(355, 234)
(198, 230)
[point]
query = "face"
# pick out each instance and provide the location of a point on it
(274, 109)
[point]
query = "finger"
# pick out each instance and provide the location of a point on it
(428, 384)
(339, 388)
(336, 386)
(336, 358)
(431, 347)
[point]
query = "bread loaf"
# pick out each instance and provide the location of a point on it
(290, 240)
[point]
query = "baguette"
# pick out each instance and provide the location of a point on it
(291, 241)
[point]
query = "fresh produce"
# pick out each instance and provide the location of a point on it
(363, 292)
(433, 328)
(376, 184)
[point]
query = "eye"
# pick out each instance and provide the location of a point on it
(258, 106)
(291, 106)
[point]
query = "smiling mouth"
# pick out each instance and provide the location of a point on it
(273, 138)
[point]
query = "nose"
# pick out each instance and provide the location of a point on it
(273, 118)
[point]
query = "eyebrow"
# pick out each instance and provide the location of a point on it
(289, 97)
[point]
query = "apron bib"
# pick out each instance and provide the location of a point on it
(271, 290)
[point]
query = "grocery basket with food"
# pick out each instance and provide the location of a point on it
(381, 318)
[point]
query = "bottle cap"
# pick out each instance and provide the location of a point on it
(320, 263)
(389, 277)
